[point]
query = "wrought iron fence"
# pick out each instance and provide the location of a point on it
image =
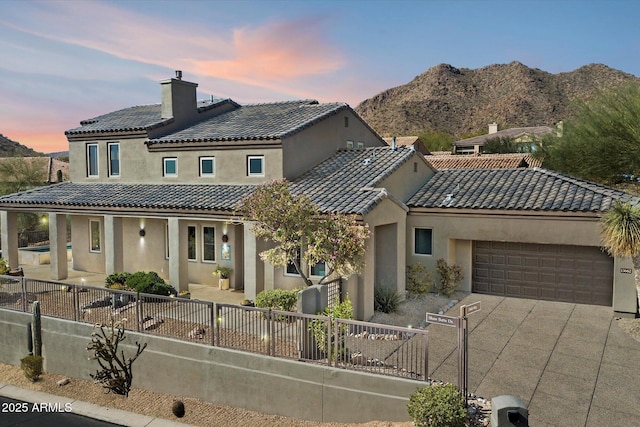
(346, 344)
(334, 291)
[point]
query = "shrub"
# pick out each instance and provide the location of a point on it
(319, 328)
(419, 280)
(437, 406)
(178, 408)
(386, 299)
(4, 267)
(450, 276)
(117, 280)
(32, 367)
(278, 299)
(149, 283)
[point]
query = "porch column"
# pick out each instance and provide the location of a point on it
(113, 258)
(9, 237)
(249, 262)
(58, 246)
(178, 245)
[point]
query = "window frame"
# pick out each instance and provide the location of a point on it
(165, 160)
(262, 168)
(91, 149)
(212, 244)
(166, 240)
(110, 159)
(311, 267)
(213, 166)
(415, 241)
(92, 231)
(294, 272)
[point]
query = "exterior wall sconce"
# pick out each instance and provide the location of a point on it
(225, 238)
(142, 232)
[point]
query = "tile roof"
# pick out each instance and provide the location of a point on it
(256, 122)
(347, 181)
(133, 196)
(408, 141)
(137, 118)
(446, 160)
(343, 183)
(510, 133)
(514, 189)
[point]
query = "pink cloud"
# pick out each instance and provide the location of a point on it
(276, 52)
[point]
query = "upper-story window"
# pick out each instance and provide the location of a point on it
(207, 166)
(360, 145)
(92, 160)
(114, 159)
(255, 165)
(346, 122)
(170, 166)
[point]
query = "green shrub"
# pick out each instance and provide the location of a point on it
(149, 283)
(4, 267)
(450, 276)
(319, 328)
(419, 280)
(386, 299)
(278, 299)
(437, 406)
(117, 280)
(32, 367)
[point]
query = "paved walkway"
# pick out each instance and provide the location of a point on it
(570, 364)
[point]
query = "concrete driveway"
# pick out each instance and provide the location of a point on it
(570, 364)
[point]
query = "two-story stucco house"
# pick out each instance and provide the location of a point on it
(155, 187)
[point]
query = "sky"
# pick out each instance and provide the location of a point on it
(66, 61)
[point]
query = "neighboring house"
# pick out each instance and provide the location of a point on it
(408, 141)
(445, 160)
(155, 188)
(474, 145)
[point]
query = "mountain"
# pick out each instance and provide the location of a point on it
(463, 101)
(11, 148)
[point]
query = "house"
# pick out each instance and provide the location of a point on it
(408, 141)
(522, 134)
(155, 187)
(445, 160)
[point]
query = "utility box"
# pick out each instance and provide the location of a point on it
(508, 411)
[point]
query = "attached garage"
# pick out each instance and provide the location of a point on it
(577, 274)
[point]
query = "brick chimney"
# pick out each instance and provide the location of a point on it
(179, 98)
(493, 128)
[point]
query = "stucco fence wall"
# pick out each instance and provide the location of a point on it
(255, 382)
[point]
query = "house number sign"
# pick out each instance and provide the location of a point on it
(626, 270)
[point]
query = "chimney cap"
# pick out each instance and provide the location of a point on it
(179, 74)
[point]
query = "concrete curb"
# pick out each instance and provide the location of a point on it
(86, 409)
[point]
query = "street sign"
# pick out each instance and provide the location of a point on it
(443, 320)
(472, 308)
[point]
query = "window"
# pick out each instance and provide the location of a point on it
(207, 166)
(191, 246)
(349, 144)
(346, 122)
(360, 145)
(114, 159)
(166, 241)
(318, 269)
(170, 166)
(94, 236)
(208, 244)
(92, 160)
(291, 268)
(423, 241)
(255, 165)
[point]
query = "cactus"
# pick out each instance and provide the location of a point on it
(29, 339)
(37, 330)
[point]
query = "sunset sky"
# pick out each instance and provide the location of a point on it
(66, 61)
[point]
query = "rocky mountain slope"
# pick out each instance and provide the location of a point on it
(462, 101)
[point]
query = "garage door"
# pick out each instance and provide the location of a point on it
(579, 274)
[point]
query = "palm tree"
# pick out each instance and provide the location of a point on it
(620, 232)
